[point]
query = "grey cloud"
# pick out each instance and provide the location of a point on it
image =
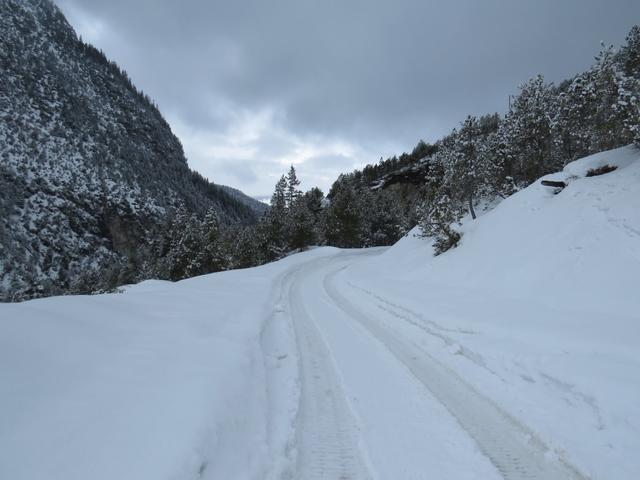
(379, 75)
(329, 161)
(241, 171)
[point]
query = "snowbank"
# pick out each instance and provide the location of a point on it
(162, 381)
(538, 307)
(577, 249)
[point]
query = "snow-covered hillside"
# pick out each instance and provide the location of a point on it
(538, 307)
(512, 356)
(578, 249)
(89, 168)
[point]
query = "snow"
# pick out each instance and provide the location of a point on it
(512, 356)
(538, 308)
(145, 384)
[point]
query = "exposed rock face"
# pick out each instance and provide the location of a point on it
(413, 174)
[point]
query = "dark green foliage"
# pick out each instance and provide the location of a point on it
(191, 246)
(292, 222)
(345, 222)
(630, 53)
(436, 222)
(527, 129)
(386, 222)
(275, 227)
(303, 226)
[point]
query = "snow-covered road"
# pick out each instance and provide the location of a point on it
(375, 404)
(326, 432)
(481, 363)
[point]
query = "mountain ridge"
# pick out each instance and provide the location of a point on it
(89, 168)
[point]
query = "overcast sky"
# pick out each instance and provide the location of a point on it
(251, 87)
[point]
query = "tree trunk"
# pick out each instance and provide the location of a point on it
(471, 210)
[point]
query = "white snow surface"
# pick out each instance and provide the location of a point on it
(538, 308)
(512, 356)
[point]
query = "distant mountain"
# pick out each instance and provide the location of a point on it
(256, 205)
(88, 166)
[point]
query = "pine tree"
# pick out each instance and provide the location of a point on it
(629, 59)
(302, 227)
(279, 197)
(166, 248)
(211, 255)
(386, 220)
(497, 166)
(600, 108)
(436, 221)
(630, 53)
(292, 184)
(315, 201)
(246, 248)
(274, 226)
(184, 255)
(611, 102)
(529, 132)
(470, 175)
(344, 218)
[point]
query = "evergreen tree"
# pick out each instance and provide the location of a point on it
(302, 226)
(612, 102)
(211, 255)
(630, 53)
(246, 251)
(528, 132)
(463, 169)
(344, 219)
(315, 200)
(436, 221)
(630, 82)
(599, 109)
(496, 166)
(292, 184)
(274, 226)
(165, 248)
(183, 260)
(386, 222)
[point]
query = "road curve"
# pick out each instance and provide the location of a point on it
(338, 345)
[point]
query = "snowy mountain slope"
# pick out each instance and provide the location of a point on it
(377, 363)
(576, 249)
(88, 165)
(256, 205)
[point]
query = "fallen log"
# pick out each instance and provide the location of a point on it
(553, 183)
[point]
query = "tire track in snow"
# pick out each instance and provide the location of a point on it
(326, 436)
(277, 345)
(516, 452)
(425, 325)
